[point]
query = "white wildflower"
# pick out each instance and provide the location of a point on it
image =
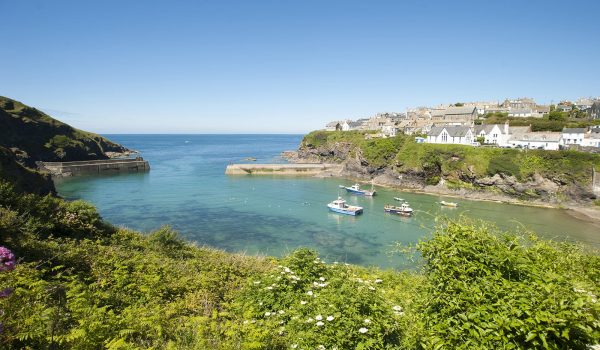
(293, 346)
(359, 280)
(330, 318)
(367, 321)
(322, 285)
(287, 269)
(363, 330)
(371, 288)
(378, 280)
(318, 317)
(269, 287)
(256, 282)
(322, 279)
(267, 314)
(309, 320)
(397, 308)
(310, 292)
(320, 347)
(302, 302)
(316, 284)
(319, 323)
(281, 312)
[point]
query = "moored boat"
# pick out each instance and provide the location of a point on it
(355, 189)
(398, 199)
(340, 206)
(449, 204)
(403, 209)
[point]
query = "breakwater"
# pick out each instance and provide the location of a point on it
(284, 169)
(87, 167)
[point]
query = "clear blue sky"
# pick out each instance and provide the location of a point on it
(117, 66)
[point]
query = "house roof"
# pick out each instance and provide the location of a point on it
(487, 128)
(460, 110)
(542, 109)
(332, 123)
(574, 130)
(454, 131)
(519, 129)
(355, 124)
(540, 136)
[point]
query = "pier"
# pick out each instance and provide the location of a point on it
(90, 167)
(284, 169)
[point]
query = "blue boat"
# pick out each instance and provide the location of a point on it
(339, 206)
(355, 189)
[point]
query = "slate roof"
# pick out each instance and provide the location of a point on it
(520, 111)
(574, 130)
(487, 128)
(540, 136)
(460, 110)
(453, 131)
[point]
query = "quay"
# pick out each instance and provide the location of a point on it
(284, 169)
(89, 167)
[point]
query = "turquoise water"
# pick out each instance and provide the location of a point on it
(187, 189)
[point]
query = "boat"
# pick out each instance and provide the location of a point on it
(339, 206)
(355, 189)
(251, 159)
(449, 204)
(403, 209)
(398, 199)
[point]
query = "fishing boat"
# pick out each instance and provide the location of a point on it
(403, 209)
(398, 199)
(355, 189)
(339, 206)
(449, 204)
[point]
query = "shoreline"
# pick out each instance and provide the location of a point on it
(589, 214)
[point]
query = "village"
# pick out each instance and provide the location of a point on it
(465, 124)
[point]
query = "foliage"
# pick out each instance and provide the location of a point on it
(497, 290)
(82, 284)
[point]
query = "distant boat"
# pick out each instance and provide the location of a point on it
(355, 189)
(398, 199)
(252, 159)
(449, 204)
(339, 206)
(403, 209)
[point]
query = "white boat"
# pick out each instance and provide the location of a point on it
(402, 209)
(339, 206)
(449, 204)
(398, 199)
(355, 189)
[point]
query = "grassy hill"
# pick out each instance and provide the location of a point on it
(567, 174)
(35, 136)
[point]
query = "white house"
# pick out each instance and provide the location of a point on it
(591, 139)
(493, 133)
(521, 112)
(536, 140)
(573, 136)
(333, 126)
(453, 134)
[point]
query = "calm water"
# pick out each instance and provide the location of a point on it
(188, 190)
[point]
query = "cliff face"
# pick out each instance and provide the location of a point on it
(34, 136)
(543, 176)
(22, 178)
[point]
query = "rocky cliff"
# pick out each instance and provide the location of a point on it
(548, 177)
(22, 178)
(34, 136)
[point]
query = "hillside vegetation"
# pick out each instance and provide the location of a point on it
(80, 283)
(567, 173)
(35, 136)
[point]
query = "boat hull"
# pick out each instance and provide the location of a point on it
(359, 192)
(399, 212)
(346, 212)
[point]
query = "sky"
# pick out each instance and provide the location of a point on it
(143, 66)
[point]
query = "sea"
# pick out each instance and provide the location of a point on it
(187, 189)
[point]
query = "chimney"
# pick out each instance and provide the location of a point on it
(506, 127)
